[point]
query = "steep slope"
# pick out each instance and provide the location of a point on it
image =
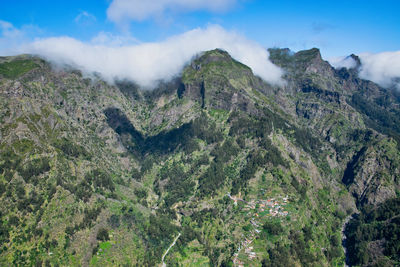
(373, 235)
(245, 172)
(356, 121)
(326, 100)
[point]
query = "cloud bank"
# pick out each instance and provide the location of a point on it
(342, 62)
(125, 10)
(148, 63)
(381, 68)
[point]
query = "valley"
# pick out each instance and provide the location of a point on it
(213, 168)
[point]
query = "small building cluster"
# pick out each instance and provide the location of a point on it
(271, 207)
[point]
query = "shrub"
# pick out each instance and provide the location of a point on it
(34, 168)
(273, 227)
(102, 234)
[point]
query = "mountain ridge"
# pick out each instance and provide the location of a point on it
(90, 171)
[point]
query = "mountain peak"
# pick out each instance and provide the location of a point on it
(356, 59)
(213, 62)
(215, 56)
(215, 79)
(305, 61)
(308, 55)
(284, 57)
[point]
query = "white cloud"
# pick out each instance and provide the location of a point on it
(125, 10)
(11, 37)
(8, 30)
(342, 62)
(84, 17)
(113, 40)
(382, 68)
(148, 63)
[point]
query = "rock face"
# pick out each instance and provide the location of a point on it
(371, 175)
(93, 173)
(218, 81)
(327, 101)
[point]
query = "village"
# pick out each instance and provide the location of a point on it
(273, 207)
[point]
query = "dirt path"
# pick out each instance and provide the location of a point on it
(166, 252)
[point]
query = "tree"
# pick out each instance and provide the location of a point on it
(102, 234)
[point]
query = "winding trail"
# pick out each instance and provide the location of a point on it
(166, 252)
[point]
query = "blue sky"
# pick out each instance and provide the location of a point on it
(337, 27)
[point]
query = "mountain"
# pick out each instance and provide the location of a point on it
(234, 169)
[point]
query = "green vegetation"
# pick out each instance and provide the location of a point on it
(16, 68)
(102, 234)
(381, 114)
(246, 172)
(180, 185)
(71, 149)
(34, 168)
(373, 235)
